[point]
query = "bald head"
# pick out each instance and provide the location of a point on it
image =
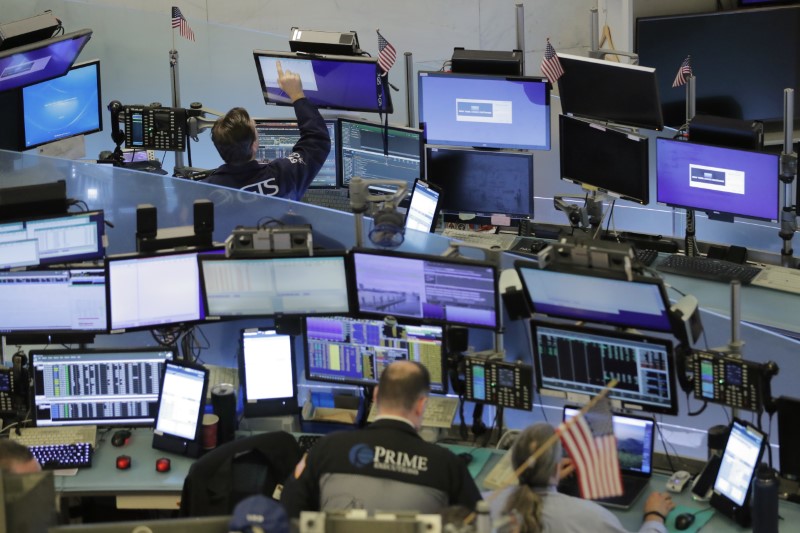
(402, 385)
(16, 458)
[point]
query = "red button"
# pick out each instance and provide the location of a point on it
(123, 462)
(162, 464)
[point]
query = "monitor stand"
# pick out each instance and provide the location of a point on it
(270, 423)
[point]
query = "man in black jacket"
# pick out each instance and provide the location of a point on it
(387, 465)
(236, 140)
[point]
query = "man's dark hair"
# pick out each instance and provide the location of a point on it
(402, 384)
(233, 136)
(11, 453)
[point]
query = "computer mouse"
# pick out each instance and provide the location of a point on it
(684, 521)
(123, 462)
(120, 437)
(466, 457)
(162, 464)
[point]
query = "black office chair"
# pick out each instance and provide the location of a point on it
(253, 465)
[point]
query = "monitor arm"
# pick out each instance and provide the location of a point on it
(197, 121)
(388, 224)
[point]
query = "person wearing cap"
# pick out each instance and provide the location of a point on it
(387, 465)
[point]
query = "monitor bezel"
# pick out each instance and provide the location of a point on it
(317, 254)
(379, 107)
(357, 311)
(256, 408)
(390, 128)
(85, 34)
(176, 443)
(488, 77)
(717, 214)
(85, 64)
(370, 383)
(424, 184)
(624, 403)
(153, 255)
(643, 196)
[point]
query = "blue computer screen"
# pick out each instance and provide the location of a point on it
(40, 61)
(484, 111)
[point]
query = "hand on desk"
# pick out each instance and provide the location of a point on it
(658, 502)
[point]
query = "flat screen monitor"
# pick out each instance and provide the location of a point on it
(599, 157)
(731, 494)
(276, 139)
(575, 361)
(608, 91)
(350, 83)
(743, 60)
(153, 290)
(106, 387)
(195, 524)
(484, 111)
(355, 351)
(362, 154)
(53, 301)
(724, 182)
(180, 408)
(269, 373)
(63, 107)
(423, 207)
(40, 61)
(425, 289)
(66, 238)
(275, 285)
(641, 303)
(494, 187)
(27, 501)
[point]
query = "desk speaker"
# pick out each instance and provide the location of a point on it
(223, 401)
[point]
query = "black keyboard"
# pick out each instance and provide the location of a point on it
(51, 457)
(646, 257)
(706, 268)
(306, 442)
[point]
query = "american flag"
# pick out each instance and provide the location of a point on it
(551, 65)
(683, 73)
(387, 54)
(589, 439)
(179, 21)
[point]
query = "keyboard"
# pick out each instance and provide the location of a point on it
(778, 278)
(306, 442)
(56, 435)
(337, 199)
(56, 456)
(646, 257)
(706, 268)
(503, 241)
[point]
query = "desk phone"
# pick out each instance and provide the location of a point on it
(733, 382)
(499, 383)
(8, 400)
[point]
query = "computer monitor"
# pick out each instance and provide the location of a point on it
(484, 111)
(641, 303)
(269, 373)
(423, 206)
(180, 408)
(724, 182)
(573, 361)
(276, 139)
(27, 501)
(351, 83)
(741, 78)
(482, 187)
(355, 351)
(361, 152)
(599, 157)
(40, 61)
(103, 386)
(66, 238)
(425, 289)
(274, 285)
(53, 301)
(623, 94)
(197, 524)
(153, 290)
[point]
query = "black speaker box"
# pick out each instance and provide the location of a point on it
(487, 62)
(203, 216)
(728, 132)
(27, 200)
(146, 221)
(457, 339)
(789, 436)
(223, 401)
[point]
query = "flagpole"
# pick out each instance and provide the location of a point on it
(176, 91)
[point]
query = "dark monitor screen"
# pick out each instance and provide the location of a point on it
(276, 139)
(275, 285)
(355, 351)
(361, 151)
(106, 387)
(153, 290)
(606, 159)
(425, 288)
(721, 181)
(495, 186)
(743, 60)
(40, 61)
(269, 373)
(642, 303)
(63, 107)
(574, 360)
(57, 239)
(609, 91)
(351, 83)
(484, 111)
(49, 301)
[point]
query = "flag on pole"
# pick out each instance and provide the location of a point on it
(589, 439)
(387, 54)
(551, 65)
(683, 73)
(179, 21)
